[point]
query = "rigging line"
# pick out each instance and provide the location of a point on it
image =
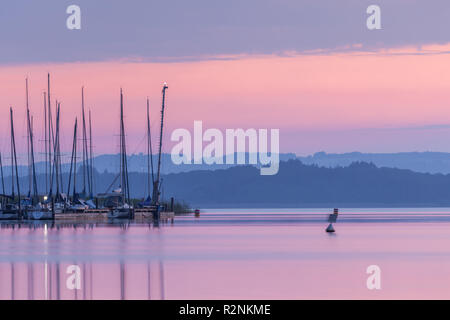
(1, 170)
(35, 191)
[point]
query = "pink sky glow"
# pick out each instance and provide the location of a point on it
(372, 102)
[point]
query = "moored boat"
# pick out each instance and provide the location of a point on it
(10, 212)
(122, 212)
(39, 214)
(10, 209)
(122, 209)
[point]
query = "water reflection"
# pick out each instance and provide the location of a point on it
(58, 224)
(272, 254)
(42, 254)
(49, 281)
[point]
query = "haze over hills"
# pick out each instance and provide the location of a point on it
(426, 162)
(136, 163)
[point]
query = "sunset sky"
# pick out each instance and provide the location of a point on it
(312, 70)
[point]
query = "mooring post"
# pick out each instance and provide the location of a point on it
(156, 212)
(53, 208)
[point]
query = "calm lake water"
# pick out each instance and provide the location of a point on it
(232, 254)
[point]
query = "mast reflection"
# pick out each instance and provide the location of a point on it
(49, 278)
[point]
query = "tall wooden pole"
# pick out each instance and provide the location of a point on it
(155, 199)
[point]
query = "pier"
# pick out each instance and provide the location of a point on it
(99, 215)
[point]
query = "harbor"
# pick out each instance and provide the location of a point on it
(63, 200)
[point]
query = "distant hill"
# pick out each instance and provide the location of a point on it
(296, 185)
(300, 185)
(427, 162)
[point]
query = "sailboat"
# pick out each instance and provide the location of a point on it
(3, 196)
(34, 210)
(123, 209)
(53, 203)
(60, 201)
(11, 210)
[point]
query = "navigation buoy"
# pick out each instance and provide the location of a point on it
(330, 228)
(332, 218)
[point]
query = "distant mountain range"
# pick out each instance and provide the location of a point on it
(299, 185)
(296, 185)
(427, 162)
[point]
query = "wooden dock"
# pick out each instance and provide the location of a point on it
(99, 215)
(145, 216)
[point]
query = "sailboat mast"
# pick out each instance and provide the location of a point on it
(75, 159)
(45, 143)
(123, 155)
(59, 150)
(28, 141)
(51, 146)
(91, 157)
(158, 174)
(30, 130)
(13, 140)
(33, 162)
(54, 172)
(151, 178)
(72, 161)
(50, 131)
(56, 152)
(12, 158)
(122, 162)
(125, 165)
(85, 148)
(84, 155)
(120, 144)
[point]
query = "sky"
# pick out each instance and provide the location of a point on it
(311, 69)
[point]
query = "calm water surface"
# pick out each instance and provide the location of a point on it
(233, 254)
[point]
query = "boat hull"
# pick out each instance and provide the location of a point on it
(9, 216)
(120, 214)
(39, 215)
